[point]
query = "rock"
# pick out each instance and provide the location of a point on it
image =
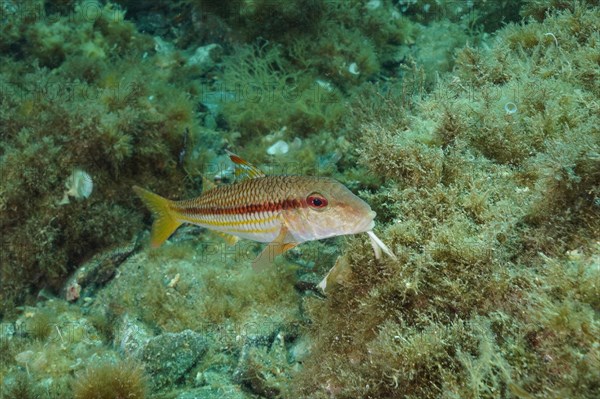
(168, 357)
(205, 57)
(97, 271)
(131, 336)
(300, 349)
(279, 148)
(228, 392)
(264, 371)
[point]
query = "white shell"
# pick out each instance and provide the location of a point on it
(353, 69)
(373, 4)
(510, 108)
(279, 148)
(325, 85)
(80, 184)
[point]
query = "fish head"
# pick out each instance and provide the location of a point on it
(328, 209)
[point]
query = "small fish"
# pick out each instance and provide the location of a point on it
(281, 210)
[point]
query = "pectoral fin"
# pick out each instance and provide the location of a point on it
(275, 248)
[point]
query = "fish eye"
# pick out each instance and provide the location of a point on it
(316, 201)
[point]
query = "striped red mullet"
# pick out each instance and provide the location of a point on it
(281, 210)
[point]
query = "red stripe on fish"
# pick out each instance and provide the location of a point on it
(243, 209)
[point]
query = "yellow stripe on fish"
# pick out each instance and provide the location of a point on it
(282, 210)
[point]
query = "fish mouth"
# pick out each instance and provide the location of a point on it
(366, 223)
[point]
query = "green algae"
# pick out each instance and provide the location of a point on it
(95, 109)
(492, 210)
(106, 380)
(486, 207)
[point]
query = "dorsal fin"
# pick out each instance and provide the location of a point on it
(243, 168)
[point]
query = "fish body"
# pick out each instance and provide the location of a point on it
(281, 210)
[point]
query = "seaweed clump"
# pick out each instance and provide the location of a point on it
(107, 380)
(19, 388)
(81, 90)
(493, 213)
(288, 80)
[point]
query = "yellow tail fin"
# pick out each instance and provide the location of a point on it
(164, 223)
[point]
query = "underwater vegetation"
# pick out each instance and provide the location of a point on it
(470, 127)
(77, 95)
(491, 190)
(84, 90)
(111, 381)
